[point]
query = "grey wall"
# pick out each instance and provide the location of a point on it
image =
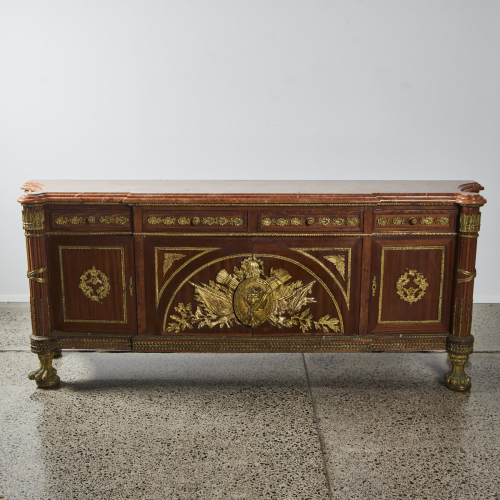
(387, 89)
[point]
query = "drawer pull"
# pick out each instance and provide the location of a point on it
(310, 221)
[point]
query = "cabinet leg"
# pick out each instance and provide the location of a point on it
(456, 378)
(459, 349)
(46, 376)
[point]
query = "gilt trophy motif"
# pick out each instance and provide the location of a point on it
(251, 298)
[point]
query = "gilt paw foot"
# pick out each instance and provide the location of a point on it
(46, 376)
(456, 379)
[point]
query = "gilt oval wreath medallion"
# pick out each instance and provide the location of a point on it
(89, 279)
(411, 294)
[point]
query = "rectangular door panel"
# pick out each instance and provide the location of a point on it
(92, 284)
(411, 285)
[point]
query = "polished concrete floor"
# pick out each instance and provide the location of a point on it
(249, 426)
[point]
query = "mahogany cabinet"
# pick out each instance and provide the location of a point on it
(251, 266)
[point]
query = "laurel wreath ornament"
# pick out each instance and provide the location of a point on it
(411, 294)
(89, 279)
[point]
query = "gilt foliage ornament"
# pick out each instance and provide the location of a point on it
(169, 259)
(251, 298)
(88, 281)
(338, 261)
(411, 294)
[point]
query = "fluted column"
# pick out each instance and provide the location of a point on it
(460, 341)
(42, 341)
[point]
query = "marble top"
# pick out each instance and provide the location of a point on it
(262, 191)
(247, 187)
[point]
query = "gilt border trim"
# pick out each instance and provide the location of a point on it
(122, 261)
(441, 284)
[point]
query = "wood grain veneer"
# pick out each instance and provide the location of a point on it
(251, 266)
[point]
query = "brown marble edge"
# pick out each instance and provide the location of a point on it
(467, 193)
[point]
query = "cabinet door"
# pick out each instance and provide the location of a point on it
(185, 291)
(252, 286)
(411, 284)
(315, 285)
(92, 284)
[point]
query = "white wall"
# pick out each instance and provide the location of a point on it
(256, 89)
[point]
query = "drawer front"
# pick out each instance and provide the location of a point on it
(328, 221)
(194, 221)
(102, 219)
(418, 220)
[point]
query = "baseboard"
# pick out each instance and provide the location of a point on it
(486, 299)
(14, 298)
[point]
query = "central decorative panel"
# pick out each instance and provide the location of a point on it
(251, 298)
(268, 286)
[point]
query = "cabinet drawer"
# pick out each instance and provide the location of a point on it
(99, 220)
(194, 221)
(418, 220)
(310, 221)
